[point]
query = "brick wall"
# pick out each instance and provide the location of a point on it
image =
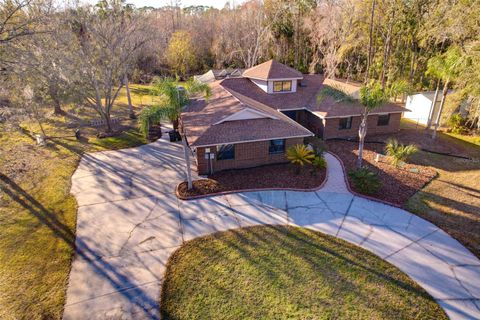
(332, 130)
(247, 155)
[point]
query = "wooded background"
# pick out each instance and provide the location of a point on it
(64, 49)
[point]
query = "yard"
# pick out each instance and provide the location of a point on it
(287, 273)
(451, 200)
(37, 212)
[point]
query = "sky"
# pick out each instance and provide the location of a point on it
(184, 3)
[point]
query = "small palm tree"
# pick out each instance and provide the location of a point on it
(300, 155)
(399, 152)
(173, 99)
(371, 97)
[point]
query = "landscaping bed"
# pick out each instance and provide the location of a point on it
(284, 272)
(281, 176)
(398, 184)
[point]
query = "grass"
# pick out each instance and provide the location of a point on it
(38, 213)
(452, 200)
(468, 139)
(287, 273)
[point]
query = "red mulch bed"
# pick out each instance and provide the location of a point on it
(423, 139)
(265, 177)
(398, 184)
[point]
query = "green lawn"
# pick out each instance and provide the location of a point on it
(287, 273)
(452, 200)
(37, 212)
(475, 140)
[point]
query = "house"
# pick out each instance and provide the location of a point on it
(421, 107)
(253, 119)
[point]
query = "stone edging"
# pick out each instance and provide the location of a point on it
(345, 178)
(221, 193)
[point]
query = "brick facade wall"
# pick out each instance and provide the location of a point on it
(331, 129)
(247, 155)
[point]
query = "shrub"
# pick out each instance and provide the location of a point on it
(318, 163)
(365, 180)
(399, 152)
(456, 123)
(300, 155)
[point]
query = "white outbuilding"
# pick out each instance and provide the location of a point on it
(422, 108)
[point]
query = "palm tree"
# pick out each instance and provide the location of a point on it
(173, 99)
(300, 155)
(371, 97)
(445, 67)
(399, 152)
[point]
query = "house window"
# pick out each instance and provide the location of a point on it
(226, 152)
(282, 86)
(383, 120)
(276, 146)
(345, 123)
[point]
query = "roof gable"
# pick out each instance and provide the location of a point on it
(246, 114)
(271, 70)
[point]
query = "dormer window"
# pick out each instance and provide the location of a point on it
(282, 86)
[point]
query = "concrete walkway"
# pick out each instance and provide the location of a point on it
(129, 222)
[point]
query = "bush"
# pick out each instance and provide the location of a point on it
(300, 155)
(399, 152)
(456, 123)
(318, 163)
(365, 180)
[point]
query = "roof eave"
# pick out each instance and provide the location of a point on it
(253, 140)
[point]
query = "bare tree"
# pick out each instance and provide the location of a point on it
(16, 20)
(329, 27)
(106, 45)
(243, 33)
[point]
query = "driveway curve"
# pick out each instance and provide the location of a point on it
(129, 222)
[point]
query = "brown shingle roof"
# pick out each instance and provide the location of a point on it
(304, 98)
(200, 120)
(272, 70)
(311, 84)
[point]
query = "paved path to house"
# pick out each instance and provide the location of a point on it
(129, 222)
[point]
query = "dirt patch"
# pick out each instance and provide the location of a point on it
(266, 177)
(398, 184)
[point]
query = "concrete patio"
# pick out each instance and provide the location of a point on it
(129, 222)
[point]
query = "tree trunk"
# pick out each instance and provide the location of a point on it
(187, 162)
(108, 123)
(129, 98)
(432, 107)
(175, 124)
(313, 65)
(370, 42)
(57, 106)
(386, 55)
(440, 110)
(362, 132)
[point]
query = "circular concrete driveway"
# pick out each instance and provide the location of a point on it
(129, 222)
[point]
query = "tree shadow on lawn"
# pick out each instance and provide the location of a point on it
(463, 224)
(63, 232)
(287, 274)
